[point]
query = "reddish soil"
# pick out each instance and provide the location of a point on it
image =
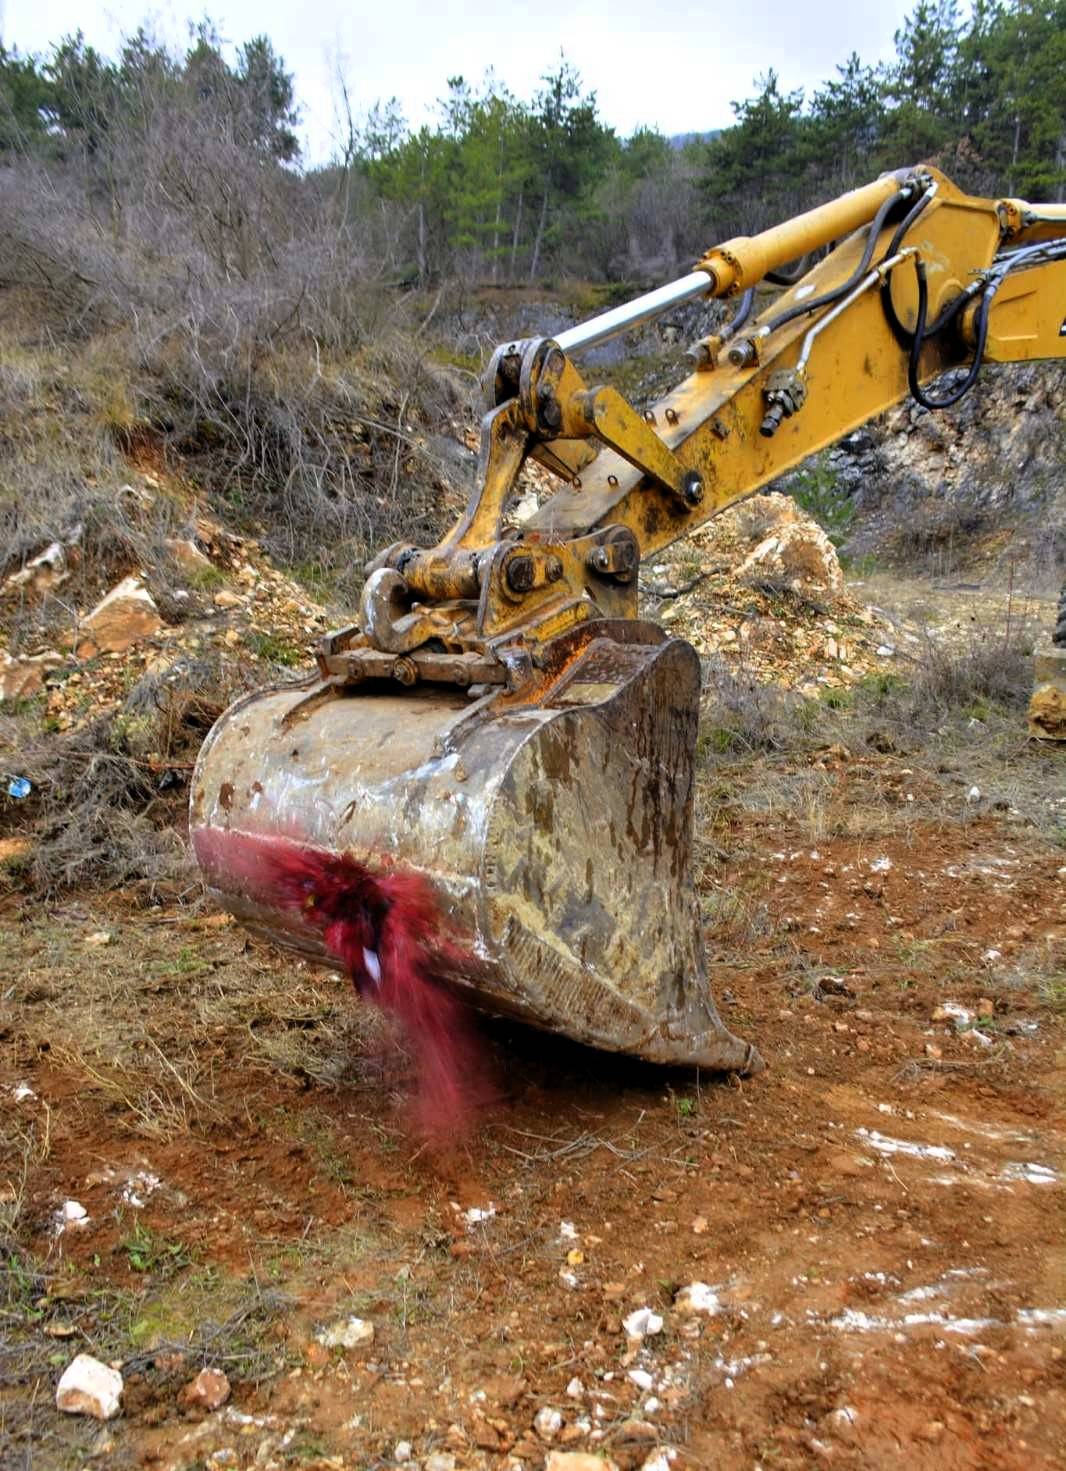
(879, 1214)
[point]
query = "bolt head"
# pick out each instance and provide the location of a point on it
(520, 574)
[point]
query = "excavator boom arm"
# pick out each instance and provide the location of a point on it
(925, 279)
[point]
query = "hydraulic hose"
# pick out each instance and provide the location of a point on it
(793, 272)
(987, 285)
(743, 312)
(921, 336)
(801, 308)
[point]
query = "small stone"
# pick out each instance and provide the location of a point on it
(547, 1422)
(699, 1225)
(187, 553)
(632, 1442)
(71, 1213)
(40, 575)
(347, 1333)
(439, 1461)
(401, 1451)
(660, 1459)
(844, 1420)
(973, 795)
(99, 937)
(642, 1323)
(697, 1297)
(208, 1391)
(932, 1431)
(88, 1387)
(575, 1389)
(845, 1165)
(577, 1461)
(227, 599)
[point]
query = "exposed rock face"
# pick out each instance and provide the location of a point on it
(127, 615)
(916, 477)
(21, 678)
(39, 576)
(800, 556)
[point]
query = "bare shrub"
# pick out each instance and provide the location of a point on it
(741, 713)
(939, 534)
(250, 328)
(946, 685)
(108, 799)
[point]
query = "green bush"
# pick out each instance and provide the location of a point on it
(814, 487)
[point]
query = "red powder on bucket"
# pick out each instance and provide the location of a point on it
(385, 929)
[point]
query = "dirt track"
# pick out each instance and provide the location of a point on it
(879, 1214)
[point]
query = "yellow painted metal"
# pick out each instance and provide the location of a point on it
(745, 260)
(1026, 224)
(701, 448)
(554, 813)
(1029, 317)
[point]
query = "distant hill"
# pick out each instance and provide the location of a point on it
(682, 140)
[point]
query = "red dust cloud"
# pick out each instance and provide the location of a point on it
(385, 929)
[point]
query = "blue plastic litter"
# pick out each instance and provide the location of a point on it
(19, 786)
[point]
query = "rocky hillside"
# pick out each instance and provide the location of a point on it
(976, 487)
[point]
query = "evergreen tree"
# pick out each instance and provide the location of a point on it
(25, 102)
(847, 122)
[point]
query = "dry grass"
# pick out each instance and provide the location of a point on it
(132, 1017)
(955, 711)
(108, 799)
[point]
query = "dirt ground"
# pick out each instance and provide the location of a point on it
(877, 1220)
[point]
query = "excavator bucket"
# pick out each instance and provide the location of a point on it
(554, 826)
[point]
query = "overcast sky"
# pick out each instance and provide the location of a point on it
(660, 64)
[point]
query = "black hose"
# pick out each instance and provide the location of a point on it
(801, 308)
(794, 271)
(921, 337)
(921, 203)
(743, 312)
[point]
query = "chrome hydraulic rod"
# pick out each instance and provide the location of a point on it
(634, 313)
